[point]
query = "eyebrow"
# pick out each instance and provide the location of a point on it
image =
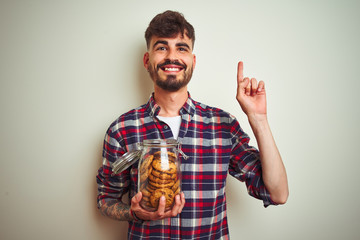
(161, 42)
(181, 44)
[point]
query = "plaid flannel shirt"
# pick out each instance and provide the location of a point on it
(215, 144)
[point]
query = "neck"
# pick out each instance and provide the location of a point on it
(170, 102)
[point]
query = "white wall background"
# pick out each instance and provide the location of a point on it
(69, 68)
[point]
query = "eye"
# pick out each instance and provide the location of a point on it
(162, 48)
(181, 49)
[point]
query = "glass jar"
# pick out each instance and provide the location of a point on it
(158, 171)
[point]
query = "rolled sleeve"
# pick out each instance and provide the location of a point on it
(245, 165)
(110, 187)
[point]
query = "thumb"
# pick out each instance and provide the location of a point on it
(137, 198)
(261, 88)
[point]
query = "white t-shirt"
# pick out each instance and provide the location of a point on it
(174, 124)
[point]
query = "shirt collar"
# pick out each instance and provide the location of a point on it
(154, 108)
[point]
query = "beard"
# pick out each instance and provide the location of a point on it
(172, 83)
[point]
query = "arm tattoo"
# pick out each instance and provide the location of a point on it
(116, 210)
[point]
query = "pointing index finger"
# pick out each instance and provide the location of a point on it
(240, 75)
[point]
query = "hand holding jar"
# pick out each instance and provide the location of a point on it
(159, 179)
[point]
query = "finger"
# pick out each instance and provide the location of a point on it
(240, 75)
(135, 200)
(261, 88)
(241, 88)
(176, 207)
(248, 86)
(182, 200)
(253, 86)
(161, 209)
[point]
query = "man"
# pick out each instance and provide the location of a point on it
(211, 138)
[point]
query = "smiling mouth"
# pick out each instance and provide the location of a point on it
(171, 69)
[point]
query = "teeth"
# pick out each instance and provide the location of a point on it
(172, 69)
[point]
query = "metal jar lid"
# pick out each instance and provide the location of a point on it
(129, 158)
(125, 161)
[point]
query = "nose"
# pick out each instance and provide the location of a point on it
(171, 54)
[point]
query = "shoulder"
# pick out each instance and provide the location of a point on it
(129, 118)
(211, 112)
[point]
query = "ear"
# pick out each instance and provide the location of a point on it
(194, 61)
(146, 60)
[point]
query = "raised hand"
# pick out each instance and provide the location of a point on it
(251, 95)
(252, 99)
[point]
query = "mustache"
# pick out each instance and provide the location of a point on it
(168, 62)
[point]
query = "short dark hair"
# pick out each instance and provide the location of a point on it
(169, 24)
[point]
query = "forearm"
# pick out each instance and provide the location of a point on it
(116, 210)
(273, 170)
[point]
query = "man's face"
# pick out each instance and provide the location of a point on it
(170, 62)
